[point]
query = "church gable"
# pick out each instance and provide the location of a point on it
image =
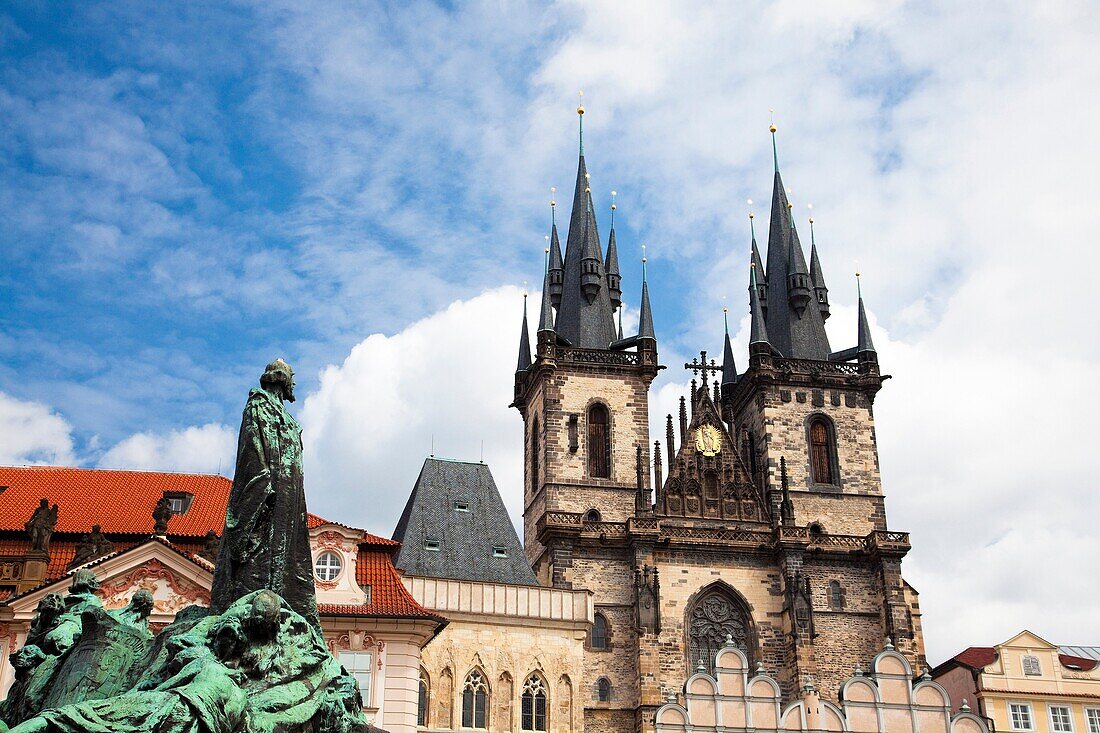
(708, 477)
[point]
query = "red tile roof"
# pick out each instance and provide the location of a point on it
(121, 502)
(1082, 663)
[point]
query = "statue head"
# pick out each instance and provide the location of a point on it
(44, 504)
(84, 581)
(51, 605)
(263, 616)
(142, 603)
(279, 378)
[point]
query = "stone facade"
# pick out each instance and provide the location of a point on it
(739, 536)
(507, 634)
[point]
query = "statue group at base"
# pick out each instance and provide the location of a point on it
(255, 662)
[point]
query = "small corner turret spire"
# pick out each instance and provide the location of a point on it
(524, 339)
(591, 266)
(762, 277)
(817, 277)
(645, 314)
(557, 264)
(546, 314)
(758, 331)
(611, 262)
(865, 347)
(729, 368)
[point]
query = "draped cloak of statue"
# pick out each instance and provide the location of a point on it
(265, 543)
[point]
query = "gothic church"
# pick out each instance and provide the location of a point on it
(757, 520)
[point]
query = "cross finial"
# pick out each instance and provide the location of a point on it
(700, 366)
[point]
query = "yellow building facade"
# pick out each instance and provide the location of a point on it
(1026, 685)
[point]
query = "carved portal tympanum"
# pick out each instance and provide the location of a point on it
(714, 617)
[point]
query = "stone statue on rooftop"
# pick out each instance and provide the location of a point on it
(41, 525)
(265, 544)
(162, 514)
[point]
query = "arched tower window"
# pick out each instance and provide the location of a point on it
(599, 637)
(592, 515)
(422, 701)
(534, 455)
(715, 615)
(603, 690)
(836, 595)
(599, 441)
(823, 463)
(475, 700)
(533, 704)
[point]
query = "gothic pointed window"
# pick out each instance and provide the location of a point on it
(603, 690)
(422, 701)
(823, 463)
(475, 700)
(715, 616)
(598, 638)
(599, 441)
(533, 704)
(836, 595)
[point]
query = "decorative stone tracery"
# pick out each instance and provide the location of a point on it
(715, 620)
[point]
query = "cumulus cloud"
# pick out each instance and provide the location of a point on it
(447, 380)
(206, 448)
(33, 433)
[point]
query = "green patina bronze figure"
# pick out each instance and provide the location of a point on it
(255, 662)
(266, 542)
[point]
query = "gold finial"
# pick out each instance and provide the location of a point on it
(546, 249)
(771, 121)
(613, 195)
(751, 215)
(553, 196)
(811, 208)
(525, 290)
(580, 103)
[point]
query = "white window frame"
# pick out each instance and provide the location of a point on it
(1030, 716)
(339, 566)
(1092, 719)
(360, 665)
(1069, 718)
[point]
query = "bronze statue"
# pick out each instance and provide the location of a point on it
(211, 543)
(41, 526)
(265, 544)
(162, 514)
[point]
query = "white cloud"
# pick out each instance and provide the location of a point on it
(447, 378)
(206, 448)
(32, 433)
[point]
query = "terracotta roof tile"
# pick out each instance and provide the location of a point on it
(976, 657)
(1082, 663)
(388, 595)
(120, 501)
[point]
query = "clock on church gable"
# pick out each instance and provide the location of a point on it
(708, 477)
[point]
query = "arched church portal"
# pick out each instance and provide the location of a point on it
(717, 612)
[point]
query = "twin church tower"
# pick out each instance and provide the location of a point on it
(757, 519)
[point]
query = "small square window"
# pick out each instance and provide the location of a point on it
(462, 506)
(431, 545)
(1060, 720)
(1021, 716)
(500, 551)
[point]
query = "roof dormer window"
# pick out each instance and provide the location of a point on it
(500, 551)
(462, 506)
(431, 544)
(179, 501)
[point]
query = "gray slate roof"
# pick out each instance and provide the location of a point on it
(1086, 652)
(466, 538)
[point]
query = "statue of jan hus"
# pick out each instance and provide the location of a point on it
(265, 543)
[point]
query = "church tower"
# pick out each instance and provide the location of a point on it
(584, 398)
(765, 528)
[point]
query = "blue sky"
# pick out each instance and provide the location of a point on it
(189, 190)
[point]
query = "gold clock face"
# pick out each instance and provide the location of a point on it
(708, 440)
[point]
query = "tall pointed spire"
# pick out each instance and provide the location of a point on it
(821, 293)
(729, 368)
(611, 264)
(864, 344)
(758, 331)
(585, 318)
(645, 314)
(524, 339)
(794, 329)
(557, 266)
